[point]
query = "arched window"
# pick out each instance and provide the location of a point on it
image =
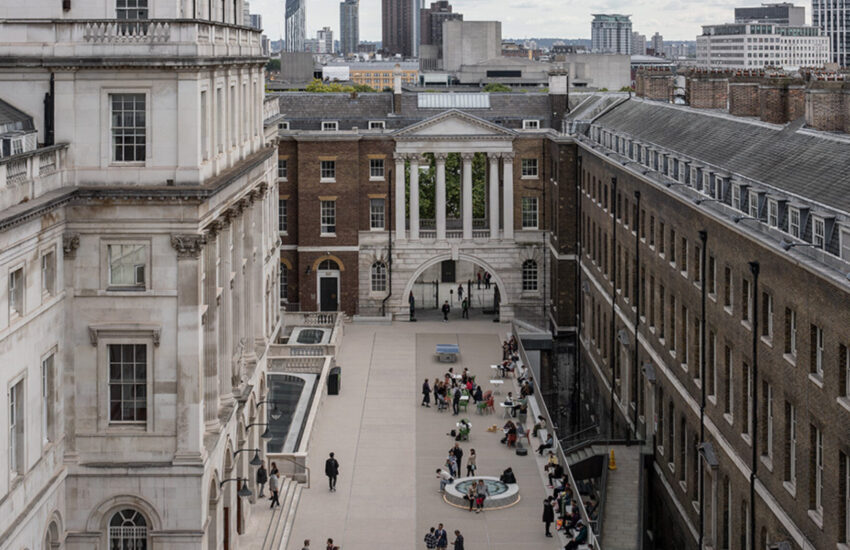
(128, 530)
(379, 277)
(529, 275)
(328, 265)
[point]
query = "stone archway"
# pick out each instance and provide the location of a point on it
(506, 303)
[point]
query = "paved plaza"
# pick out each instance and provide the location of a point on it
(388, 446)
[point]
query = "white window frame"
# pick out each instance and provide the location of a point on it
(792, 445)
(374, 214)
(327, 218)
(772, 213)
(531, 124)
(17, 146)
(819, 471)
(818, 237)
(48, 273)
(769, 443)
(126, 12)
(283, 125)
(378, 277)
(377, 125)
(107, 255)
(327, 171)
(753, 205)
(283, 216)
(17, 446)
(529, 168)
(736, 196)
(17, 291)
(530, 209)
(794, 218)
(283, 283)
(48, 382)
(377, 170)
(819, 339)
(109, 382)
(112, 131)
(793, 333)
(530, 276)
(330, 126)
(282, 169)
(844, 245)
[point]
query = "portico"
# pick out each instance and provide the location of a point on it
(454, 132)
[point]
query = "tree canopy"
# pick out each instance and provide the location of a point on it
(318, 85)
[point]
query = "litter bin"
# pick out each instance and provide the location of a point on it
(334, 380)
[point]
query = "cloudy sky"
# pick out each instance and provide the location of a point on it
(675, 20)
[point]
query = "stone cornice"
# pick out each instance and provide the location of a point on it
(188, 246)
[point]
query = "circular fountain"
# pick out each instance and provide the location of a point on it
(502, 495)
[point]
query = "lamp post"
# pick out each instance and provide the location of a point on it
(787, 245)
(255, 461)
(275, 413)
(244, 491)
(266, 434)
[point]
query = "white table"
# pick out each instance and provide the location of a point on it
(497, 383)
(507, 408)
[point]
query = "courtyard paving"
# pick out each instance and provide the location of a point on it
(388, 447)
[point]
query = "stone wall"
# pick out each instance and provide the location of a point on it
(827, 106)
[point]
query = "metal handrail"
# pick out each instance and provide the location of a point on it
(290, 459)
(574, 435)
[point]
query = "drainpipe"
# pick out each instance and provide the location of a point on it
(545, 220)
(612, 359)
(637, 310)
(389, 242)
(49, 113)
(754, 268)
(579, 303)
(703, 237)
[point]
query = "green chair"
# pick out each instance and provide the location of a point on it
(462, 405)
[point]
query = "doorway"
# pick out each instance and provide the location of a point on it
(448, 271)
(328, 282)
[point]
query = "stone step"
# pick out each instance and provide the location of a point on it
(290, 516)
(276, 540)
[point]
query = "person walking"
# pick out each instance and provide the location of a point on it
(306, 545)
(446, 309)
(332, 471)
(548, 515)
(456, 402)
(442, 537)
(458, 543)
(430, 539)
(412, 301)
(262, 478)
(487, 279)
(330, 545)
(465, 308)
(478, 276)
(460, 292)
(470, 463)
(426, 394)
(274, 487)
(458, 454)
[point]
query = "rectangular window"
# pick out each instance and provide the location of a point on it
(844, 237)
(767, 315)
(672, 246)
(817, 351)
(844, 371)
(736, 197)
(767, 412)
(791, 332)
(530, 124)
(47, 383)
(754, 204)
(661, 237)
(281, 215)
(330, 126)
(127, 265)
(844, 487)
(673, 337)
(205, 153)
(377, 125)
(328, 217)
(711, 365)
(727, 287)
(662, 318)
(281, 169)
(127, 382)
(791, 444)
(651, 230)
(728, 377)
(16, 429)
(697, 264)
(818, 233)
(683, 329)
(327, 170)
(794, 222)
(683, 256)
(711, 273)
(529, 212)
(376, 214)
(747, 399)
(131, 9)
(746, 304)
(772, 213)
(816, 462)
(128, 127)
(529, 168)
(376, 169)
(16, 292)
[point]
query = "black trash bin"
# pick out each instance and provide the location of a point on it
(334, 380)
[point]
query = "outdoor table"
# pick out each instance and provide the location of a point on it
(447, 353)
(497, 383)
(507, 407)
(499, 368)
(464, 398)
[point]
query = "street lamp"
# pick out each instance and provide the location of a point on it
(787, 245)
(244, 491)
(275, 413)
(255, 461)
(701, 201)
(739, 219)
(266, 434)
(670, 184)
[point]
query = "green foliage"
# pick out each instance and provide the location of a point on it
(324, 87)
(273, 65)
(602, 90)
(454, 178)
(626, 89)
(496, 87)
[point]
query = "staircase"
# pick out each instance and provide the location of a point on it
(270, 529)
(621, 525)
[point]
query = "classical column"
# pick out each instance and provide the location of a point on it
(467, 195)
(226, 336)
(399, 196)
(210, 321)
(494, 195)
(190, 416)
(440, 202)
(508, 195)
(237, 294)
(257, 261)
(414, 197)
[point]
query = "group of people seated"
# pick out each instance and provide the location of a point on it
(569, 518)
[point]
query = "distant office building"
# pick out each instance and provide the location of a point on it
(311, 45)
(759, 45)
(397, 33)
(657, 44)
(431, 22)
(349, 26)
(470, 42)
(779, 14)
(295, 29)
(256, 21)
(246, 14)
(638, 43)
(832, 17)
(325, 39)
(611, 33)
(367, 48)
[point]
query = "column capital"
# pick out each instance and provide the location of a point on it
(441, 157)
(400, 157)
(494, 156)
(508, 157)
(417, 158)
(213, 229)
(467, 157)
(70, 244)
(188, 246)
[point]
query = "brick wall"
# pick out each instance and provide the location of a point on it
(654, 84)
(827, 106)
(708, 93)
(743, 98)
(780, 100)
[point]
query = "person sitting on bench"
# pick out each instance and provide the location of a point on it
(550, 441)
(508, 477)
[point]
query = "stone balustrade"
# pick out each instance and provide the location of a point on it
(29, 175)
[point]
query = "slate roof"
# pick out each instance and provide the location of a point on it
(306, 110)
(804, 163)
(12, 119)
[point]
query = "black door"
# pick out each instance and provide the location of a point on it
(447, 274)
(328, 294)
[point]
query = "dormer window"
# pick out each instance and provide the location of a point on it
(753, 205)
(531, 124)
(794, 219)
(283, 125)
(377, 125)
(330, 125)
(818, 232)
(772, 213)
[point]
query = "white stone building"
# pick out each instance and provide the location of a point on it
(759, 45)
(138, 273)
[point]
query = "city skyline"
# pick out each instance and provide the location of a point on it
(526, 19)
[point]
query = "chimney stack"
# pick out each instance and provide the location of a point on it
(559, 96)
(397, 89)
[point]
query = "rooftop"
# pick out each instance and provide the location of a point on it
(13, 119)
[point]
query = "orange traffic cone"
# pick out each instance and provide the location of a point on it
(612, 463)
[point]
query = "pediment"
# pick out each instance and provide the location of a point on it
(455, 123)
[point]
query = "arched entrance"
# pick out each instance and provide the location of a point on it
(327, 285)
(444, 279)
